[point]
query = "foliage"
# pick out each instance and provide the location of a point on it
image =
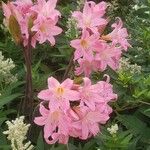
(131, 110)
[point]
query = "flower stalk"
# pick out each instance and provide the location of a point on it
(27, 105)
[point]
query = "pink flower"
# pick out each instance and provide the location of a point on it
(108, 56)
(10, 9)
(88, 123)
(45, 24)
(86, 66)
(45, 30)
(56, 125)
(58, 94)
(23, 6)
(36, 20)
(89, 19)
(106, 91)
(99, 9)
(46, 9)
(85, 45)
(7, 11)
(90, 94)
(119, 35)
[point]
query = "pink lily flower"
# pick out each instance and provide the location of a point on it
(85, 45)
(86, 66)
(58, 94)
(99, 9)
(88, 123)
(119, 35)
(46, 9)
(45, 30)
(106, 91)
(108, 55)
(89, 19)
(90, 94)
(52, 120)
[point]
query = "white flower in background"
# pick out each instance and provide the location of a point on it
(125, 66)
(136, 7)
(113, 129)
(6, 66)
(16, 132)
(80, 4)
(72, 30)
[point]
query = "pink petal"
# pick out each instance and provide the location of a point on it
(55, 137)
(56, 30)
(54, 105)
(53, 83)
(6, 10)
(65, 105)
(90, 104)
(45, 95)
(63, 139)
(97, 117)
(75, 43)
(40, 121)
(87, 82)
(43, 110)
(71, 95)
(85, 131)
(77, 54)
(94, 128)
(47, 130)
(68, 83)
(51, 39)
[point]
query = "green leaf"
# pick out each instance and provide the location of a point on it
(40, 142)
(89, 145)
(7, 99)
(3, 140)
(135, 126)
(8, 89)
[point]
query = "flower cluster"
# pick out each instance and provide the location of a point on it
(113, 129)
(94, 51)
(126, 67)
(16, 132)
(6, 67)
(36, 20)
(74, 110)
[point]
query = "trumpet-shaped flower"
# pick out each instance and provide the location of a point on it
(51, 121)
(119, 35)
(108, 56)
(36, 20)
(87, 65)
(46, 30)
(58, 94)
(90, 94)
(100, 8)
(89, 19)
(85, 45)
(88, 123)
(106, 91)
(46, 9)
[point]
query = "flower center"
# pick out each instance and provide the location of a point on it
(60, 91)
(43, 28)
(84, 43)
(55, 116)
